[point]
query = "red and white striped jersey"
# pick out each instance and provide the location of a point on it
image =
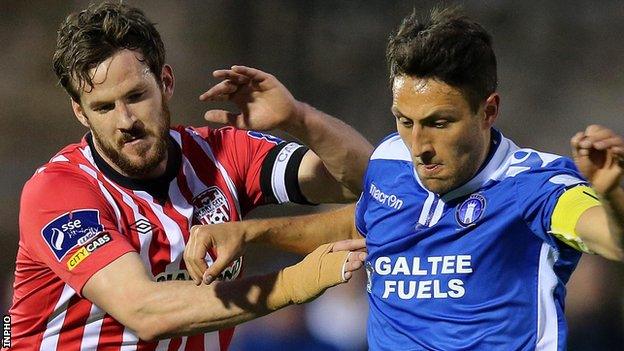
(76, 217)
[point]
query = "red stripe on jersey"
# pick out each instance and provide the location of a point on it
(111, 334)
(225, 337)
(159, 249)
(175, 344)
(195, 342)
(76, 316)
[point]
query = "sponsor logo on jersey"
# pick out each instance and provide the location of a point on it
(211, 206)
(142, 226)
(231, 272)
(389, 200)
(86, 250)
(433, 277)
(471, 210)
(261, 136)
(70, 230)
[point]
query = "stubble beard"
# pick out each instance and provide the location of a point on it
(150, 160)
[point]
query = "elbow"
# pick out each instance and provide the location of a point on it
(149, 323)
(152, 329)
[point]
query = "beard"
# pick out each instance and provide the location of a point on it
(149, 157)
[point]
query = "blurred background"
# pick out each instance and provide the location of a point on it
(561, 67)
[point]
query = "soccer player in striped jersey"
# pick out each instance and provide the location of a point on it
(471, 239)
(104, 224)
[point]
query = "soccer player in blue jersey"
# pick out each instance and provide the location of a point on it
(470, 238)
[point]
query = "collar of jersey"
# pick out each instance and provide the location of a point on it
(158, 187)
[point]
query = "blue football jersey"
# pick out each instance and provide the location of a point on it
(474, 269)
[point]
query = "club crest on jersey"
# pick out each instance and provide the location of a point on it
(261, 136)
(471, 210)
(211, 206)
(70, 230)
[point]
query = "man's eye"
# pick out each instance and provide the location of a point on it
(406, 122)
(440, 124)
(105, 108)
(135, 97)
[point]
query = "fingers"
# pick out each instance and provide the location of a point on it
(226, 117)
(253, 74)
(220, 92)
(215, 269)
(350, 245)
(598, 138)
(232, 80)
(354, 261)
(194, 255)
(231, 76)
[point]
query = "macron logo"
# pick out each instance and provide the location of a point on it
(390, 200)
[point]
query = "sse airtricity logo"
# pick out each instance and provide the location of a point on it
(471, 210)
(71, 229)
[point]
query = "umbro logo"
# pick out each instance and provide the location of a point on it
(142, 226)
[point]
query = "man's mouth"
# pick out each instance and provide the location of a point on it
(430, 169)
(132, 139)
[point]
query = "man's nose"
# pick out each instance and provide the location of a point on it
(422, 147)
(126, 118)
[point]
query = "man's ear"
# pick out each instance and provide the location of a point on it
(490, 110)
(79, 113)
(167, 80)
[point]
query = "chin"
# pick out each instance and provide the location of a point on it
(437, 186)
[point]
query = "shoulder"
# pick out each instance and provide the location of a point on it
(528, 166)
(391, 148)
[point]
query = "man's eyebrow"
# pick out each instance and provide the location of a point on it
(397, 112)
(443, 113)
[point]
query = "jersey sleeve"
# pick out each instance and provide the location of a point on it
(67, 225)
(362, 204)
(552, 198)
(265, 167)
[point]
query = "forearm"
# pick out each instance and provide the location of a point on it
(344, 151)
(302, 234)
(179, 308)
(613, 203)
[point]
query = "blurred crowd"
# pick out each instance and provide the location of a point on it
(560, 69)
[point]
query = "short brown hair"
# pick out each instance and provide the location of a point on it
(447, 46)
(88, 38)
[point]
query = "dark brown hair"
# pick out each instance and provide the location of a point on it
(447, 46)
(88, 38)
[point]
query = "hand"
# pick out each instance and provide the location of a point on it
(357, 255)
(227, 239)
(264, 102)
(599, 154)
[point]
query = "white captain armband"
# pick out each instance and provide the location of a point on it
(569, 208)
(279, 177)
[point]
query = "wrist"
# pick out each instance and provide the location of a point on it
(297, 122)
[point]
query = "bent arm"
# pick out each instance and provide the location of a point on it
(333, 172)
(302, 234)
(157, 310)
(602, 227)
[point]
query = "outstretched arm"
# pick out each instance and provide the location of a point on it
(300, 234)
(333, 171)
(599, 154)
(157, 310)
